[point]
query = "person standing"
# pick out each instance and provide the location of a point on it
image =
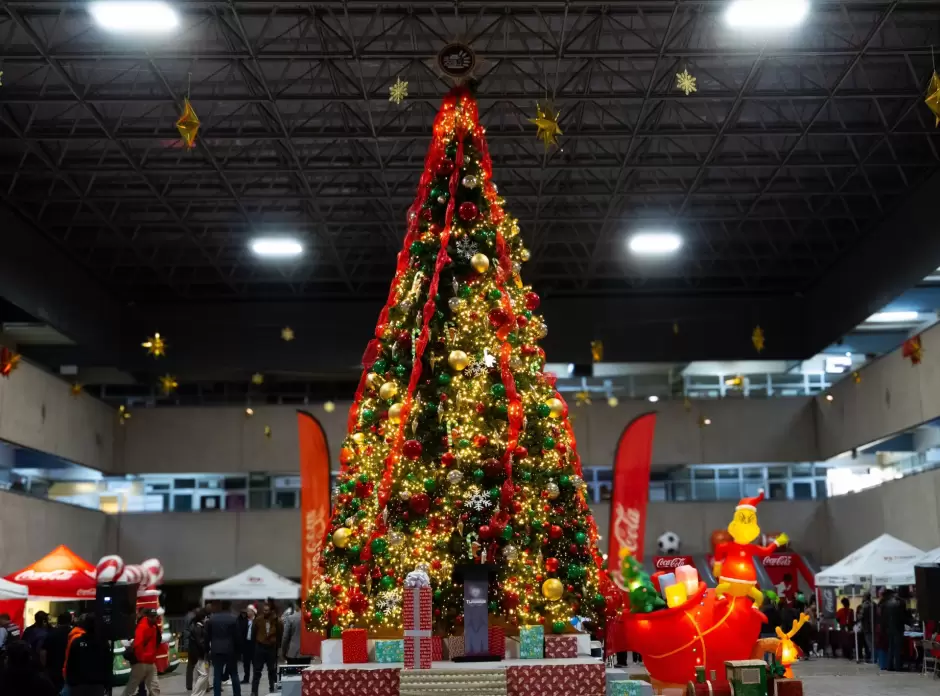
(246, 621)
(9, 631)
(865, 618)
(21, 674)
(268, 631)
(198, 653)
(225, 642)
(87, 668)
(35, 635)
(146, 645)
(892, 619)
(190, 664)
(52, 653)
(290, 647)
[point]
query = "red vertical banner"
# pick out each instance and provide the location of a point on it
(631, 489)
(315, 511)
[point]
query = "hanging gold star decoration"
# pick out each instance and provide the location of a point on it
(933, 97)
(287, 334)
(257, 378)
(613, 401)
(188, 124)
(9, 361)
(582, 398)
(757, 338)
(267, 431)
(76, 389)
(597, 351)
(546, 118)
(155, 346)
(686, 82)
(168, 384)
(123, 414)
(329, 407)
(857, 377)
(398, 91)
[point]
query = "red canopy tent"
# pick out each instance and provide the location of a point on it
(12, 600)
(61, 576)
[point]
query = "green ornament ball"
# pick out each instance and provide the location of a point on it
(493, 606)
(465, 291)
(430, 408)
(463, 442)
(417, 246)
(353, 549)
(478, 474)
(401, 370)
(574, 572)
(336, 632)
(599, 599)
(501, 409)
(507, 533)
(580, 537)
(498, 390)
(368, 415)
(564, 481)
(317, 612)
(379, 546)
(379, 366)
(558, 627)
(544, 410)
(430, 484)
(494, 294)
(548, 443)
(387, 582)
(527, 314)
(494, 492)
(526, 475)
(438, 595)
(379, 616)
(513, 338)
(443, 379)
(363, 478)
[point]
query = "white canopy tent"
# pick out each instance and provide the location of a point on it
(882, 561)
(12, 590)
(258, 582)
(906, 576)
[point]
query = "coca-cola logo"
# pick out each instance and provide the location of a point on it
(778, 560)
(664, 562)
(254, 580)
(45, 575)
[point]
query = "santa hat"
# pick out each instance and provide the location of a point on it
(751, 503)
(251, 607)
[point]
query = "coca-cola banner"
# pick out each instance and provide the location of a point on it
(779, 565)
(827, 602)
(61, 575)
(670, 563)
(631, 489)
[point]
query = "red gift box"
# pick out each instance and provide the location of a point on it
(556, 680)
(437, 649)
(561, 646)
(497, 641)
(418, 652)
(350, 682)
(419, 597)
(355, 646)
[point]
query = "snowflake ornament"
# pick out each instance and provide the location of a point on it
(398, 91)
(466, 248)
(686, 82)
(479, 502)
(387, 601)
(474, 369)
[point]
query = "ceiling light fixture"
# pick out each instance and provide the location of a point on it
(134, 16)
(892, 317)
(655, 243)
(766, 14)
(276, 247)
(652, 398)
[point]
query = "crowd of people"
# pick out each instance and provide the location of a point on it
(880, 628)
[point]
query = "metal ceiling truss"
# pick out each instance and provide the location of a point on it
(777, 166)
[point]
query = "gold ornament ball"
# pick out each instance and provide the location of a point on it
(556, 407)
(372, 380)
(388, 391)
(480, 262)
(458, 360)
(552, 589)
(525, 254)
(552, 489)
(358, 438)
(341, 537)
(394, 413)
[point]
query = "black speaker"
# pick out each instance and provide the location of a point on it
(928, 591)
(116, 610)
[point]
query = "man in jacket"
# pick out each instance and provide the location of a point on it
(246, 621)
(268, 631)
(198, 653)
(225, 642)
(892, 620)
(290, 647)
(52, 654)
(190, 664)
(146, 644)
(87, 669)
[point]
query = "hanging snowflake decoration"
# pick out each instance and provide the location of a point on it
(686, 82)
(474, 369)
(488, 358)
(466, 248)
(398, 91)
(479, 502)
(388, 601)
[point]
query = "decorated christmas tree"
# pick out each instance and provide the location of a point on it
(460, 449)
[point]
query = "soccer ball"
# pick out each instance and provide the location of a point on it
(668, 544)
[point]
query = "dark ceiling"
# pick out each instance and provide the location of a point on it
(802, 173)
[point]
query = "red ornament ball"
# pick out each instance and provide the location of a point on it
(468, 211)
(498, 317)
(551, 565)
(493, 467)
(521, 452)
(480, 441)
(521, 320)
(436, 564)
(554, 531)
(480, 407)
(426, 214)
(448, 459)
(336, 590)
(419, 503)
(485, 531)
(532, 301)
(412, 449)
(445, 167)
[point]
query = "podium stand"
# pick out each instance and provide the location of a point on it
(476, 620)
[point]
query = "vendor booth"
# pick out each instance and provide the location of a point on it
(61, 576)
(13, 601)
(258, 582)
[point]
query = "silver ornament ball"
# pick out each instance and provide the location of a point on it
(456, 303)
(396, 538)
(510, 552)
(552, 490)
(470, 181)
(405, 495)
(454, 476)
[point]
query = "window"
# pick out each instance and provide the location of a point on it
(259, 500)
(183, 502)
(803, 490)
(285, 499)
(235, 484)
(184, 483)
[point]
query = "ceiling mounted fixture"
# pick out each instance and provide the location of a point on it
(134, 16)
(655, 243)
(892, 317)
(276, 247)
(652, 398)
(766, 14)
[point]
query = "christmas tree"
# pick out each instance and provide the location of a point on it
(460, 449)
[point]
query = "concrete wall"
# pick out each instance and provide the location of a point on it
(38, 410)
(223, 439)
(892, 396)
(32, 528)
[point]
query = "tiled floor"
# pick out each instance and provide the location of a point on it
(821, 677)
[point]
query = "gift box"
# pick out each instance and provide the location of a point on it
(629, 687)
(532, 642)
(390, 651)
(747, 677)
(788, 687)
(556, 680)
(454, 645)
(561, 646)
(584, 643)
(350, 682)
(331, 652)
(437, 649)
(417, 652)
(416, 616)
(512, 648)
(355, 646)
(497, 640)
